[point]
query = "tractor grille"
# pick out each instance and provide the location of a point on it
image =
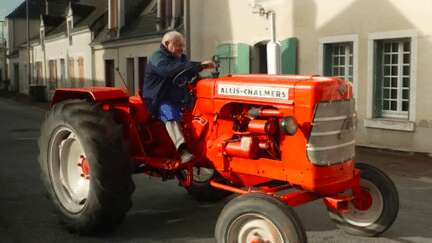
(332, 135)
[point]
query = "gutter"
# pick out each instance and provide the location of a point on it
(126, 42)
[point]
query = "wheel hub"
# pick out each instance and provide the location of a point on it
(254, 228)
(83, 164)
(366, 209)
(69, 169)
(363, 201)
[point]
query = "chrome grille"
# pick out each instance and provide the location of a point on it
(332, 135)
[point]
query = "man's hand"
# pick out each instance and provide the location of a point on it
(208, 64)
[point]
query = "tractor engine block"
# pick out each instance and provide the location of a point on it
(254, 136)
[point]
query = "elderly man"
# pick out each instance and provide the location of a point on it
(165, 99)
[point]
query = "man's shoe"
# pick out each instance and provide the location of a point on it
(186, 156)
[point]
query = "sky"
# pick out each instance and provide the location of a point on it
(7, 6)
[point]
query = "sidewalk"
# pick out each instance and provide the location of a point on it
(23, 99)
(397, 163)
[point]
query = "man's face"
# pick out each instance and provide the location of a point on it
(176, 46)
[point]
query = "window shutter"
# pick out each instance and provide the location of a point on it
(377, 74)
(327, 62)
(224, 52)
(234, 58)
(289, 56)
(243, 58)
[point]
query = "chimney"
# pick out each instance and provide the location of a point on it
(112, 14)
(116, 16)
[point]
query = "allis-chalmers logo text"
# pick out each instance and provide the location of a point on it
(254, 91)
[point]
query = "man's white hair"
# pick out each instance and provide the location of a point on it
(172, 35)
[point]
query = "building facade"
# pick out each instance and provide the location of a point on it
(382, 47)
(17, 37)
(89, 43)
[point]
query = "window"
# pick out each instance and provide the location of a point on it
(259, 57)
(338, 56)
(142, 62)
(71, 71)
(393, 77)
(52, 65)
(81, 71)
(38, 73)
(62, 71)
(338, 60)
(130, 75)
(391, 94)
(288, 55)
(109, 73)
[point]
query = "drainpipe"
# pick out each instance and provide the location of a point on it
(186, 26)
(273, 47)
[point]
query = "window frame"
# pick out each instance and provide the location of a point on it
(387, 122)
(342, 39)
(398, 113)
(347, 54)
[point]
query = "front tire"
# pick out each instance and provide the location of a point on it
(382, 212)
(256, 217)
(85, 166)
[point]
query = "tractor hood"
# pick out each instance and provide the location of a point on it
(275, 89)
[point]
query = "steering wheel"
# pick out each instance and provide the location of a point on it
(182, 83)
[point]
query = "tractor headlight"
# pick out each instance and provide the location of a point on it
(288, 125)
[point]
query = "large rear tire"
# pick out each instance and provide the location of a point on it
(85, 166)
(383, 210)
(256, 217)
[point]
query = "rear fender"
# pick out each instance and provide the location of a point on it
(93, 94)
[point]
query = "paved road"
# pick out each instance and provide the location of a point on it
(163, 212)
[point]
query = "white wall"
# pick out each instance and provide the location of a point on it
(119, 54)
(59, 48)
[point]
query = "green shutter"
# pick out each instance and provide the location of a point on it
(327, 62)
(234, 58)
(289, 56)
(243, 58)
(224, 52)
(378, 79)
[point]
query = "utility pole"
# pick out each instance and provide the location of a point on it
(28, 43)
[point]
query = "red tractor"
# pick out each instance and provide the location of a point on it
(278, 141)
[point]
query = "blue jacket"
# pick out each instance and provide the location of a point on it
(160, 71)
